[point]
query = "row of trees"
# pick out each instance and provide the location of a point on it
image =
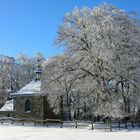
(15, 73)
(99, 72)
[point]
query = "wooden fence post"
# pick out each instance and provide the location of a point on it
(23, 122)
(110, 125)
(92, 127)
(125, 125)
(75, 124)
(47, 123)
(119, 125)
(132, 124)
(61, 124)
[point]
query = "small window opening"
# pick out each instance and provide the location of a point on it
(27, 105)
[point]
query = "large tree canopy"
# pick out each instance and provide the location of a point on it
(103, 56)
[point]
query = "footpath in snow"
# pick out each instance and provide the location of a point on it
(12, 132)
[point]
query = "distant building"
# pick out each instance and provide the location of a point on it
(29, 102)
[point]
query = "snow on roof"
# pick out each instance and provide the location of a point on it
(8, 106)
(32, 88)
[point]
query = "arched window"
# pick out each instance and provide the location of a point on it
(27, 105)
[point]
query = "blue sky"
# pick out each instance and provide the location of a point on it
(30, 26)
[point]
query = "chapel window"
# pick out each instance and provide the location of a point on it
(27, 105)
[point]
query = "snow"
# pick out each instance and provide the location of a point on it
(32, 88)
(8, 106)
(43, 133)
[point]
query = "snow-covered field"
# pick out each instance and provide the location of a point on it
(9, 132)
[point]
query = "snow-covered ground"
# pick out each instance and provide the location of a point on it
(11, 132)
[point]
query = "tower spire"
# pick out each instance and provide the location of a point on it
(38, 70)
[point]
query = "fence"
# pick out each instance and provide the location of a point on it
(74, 124)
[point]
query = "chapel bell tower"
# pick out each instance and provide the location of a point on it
(38, 70)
